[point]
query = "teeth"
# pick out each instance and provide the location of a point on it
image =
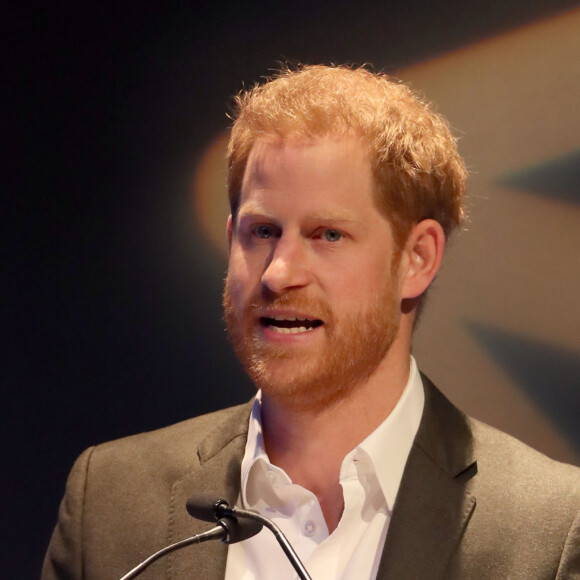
(290, 318)
(294, 330)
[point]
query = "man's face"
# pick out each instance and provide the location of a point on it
(312, 297)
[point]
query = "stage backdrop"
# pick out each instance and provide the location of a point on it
(113, 217)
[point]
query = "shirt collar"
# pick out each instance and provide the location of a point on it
(387, 447)
(255, 448)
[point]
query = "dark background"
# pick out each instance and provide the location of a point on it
(110, 310)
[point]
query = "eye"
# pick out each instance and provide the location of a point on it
(263, 232)
(331, 235)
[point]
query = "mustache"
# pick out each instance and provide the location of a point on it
(313, 307)
(260, 303)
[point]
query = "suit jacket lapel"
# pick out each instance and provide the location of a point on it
(218, 473)
(432, 506)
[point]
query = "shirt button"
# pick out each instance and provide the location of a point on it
(309, 528)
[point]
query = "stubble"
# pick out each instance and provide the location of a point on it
(354, 346)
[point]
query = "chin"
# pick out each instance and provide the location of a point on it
(298, 388)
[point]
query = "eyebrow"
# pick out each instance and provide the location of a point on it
(256, 210)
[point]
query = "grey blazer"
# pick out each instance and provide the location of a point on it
(473, 503)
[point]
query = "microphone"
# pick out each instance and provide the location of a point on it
(229, 530)
(207, 508)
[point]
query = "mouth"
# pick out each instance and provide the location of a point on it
(290, 324)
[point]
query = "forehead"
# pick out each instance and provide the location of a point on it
(328, 169)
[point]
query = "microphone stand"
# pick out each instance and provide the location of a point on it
(209, 509)
(229, 530)
(237, 512)
(217, 533)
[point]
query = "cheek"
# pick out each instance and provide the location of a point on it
(248, 267)
(237, 264)
(241, 277)
(359, 280)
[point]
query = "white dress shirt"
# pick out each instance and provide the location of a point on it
(370, 476)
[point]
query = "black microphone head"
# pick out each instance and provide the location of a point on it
(239, 530)
(206, 507)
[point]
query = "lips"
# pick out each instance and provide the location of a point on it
(290, 324)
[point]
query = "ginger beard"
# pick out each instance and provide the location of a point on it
(312, 378)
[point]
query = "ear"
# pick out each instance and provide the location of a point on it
(229, 229)
(422, 257)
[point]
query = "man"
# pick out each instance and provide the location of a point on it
(343, 189)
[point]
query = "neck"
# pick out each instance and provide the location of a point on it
(310, 444)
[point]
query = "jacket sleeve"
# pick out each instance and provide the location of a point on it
(64, 557)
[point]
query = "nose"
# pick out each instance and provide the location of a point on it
(287, 266)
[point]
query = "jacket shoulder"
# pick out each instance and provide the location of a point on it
(524, 468)
(455, 440)
(128, 488)
(176, 445)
